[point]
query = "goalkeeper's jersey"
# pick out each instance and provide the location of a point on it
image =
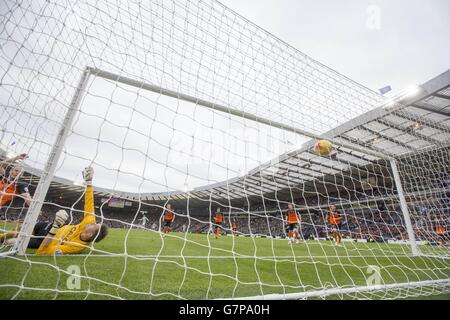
(67, 239)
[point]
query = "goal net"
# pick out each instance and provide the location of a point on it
(201, 129)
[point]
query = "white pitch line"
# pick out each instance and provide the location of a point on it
(334, 291)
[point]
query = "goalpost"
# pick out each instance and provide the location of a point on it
(193, 105)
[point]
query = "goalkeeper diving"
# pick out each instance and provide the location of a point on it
(58, 238)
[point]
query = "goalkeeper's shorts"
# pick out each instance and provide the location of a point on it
(40, 231)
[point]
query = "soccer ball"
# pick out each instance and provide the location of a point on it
(323, 147)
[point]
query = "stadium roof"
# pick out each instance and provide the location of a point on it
(412, 124)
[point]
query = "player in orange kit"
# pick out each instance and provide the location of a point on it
(169, 217)
(234, 228)
(218, 220)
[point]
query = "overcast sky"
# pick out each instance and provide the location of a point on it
(409, 45)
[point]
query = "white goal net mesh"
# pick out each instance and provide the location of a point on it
(188, 104)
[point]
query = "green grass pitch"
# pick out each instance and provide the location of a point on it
(196, 266)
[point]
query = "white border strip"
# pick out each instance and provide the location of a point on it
(333, 291)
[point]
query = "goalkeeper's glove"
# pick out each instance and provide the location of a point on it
(60, 219)
(88, 174)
